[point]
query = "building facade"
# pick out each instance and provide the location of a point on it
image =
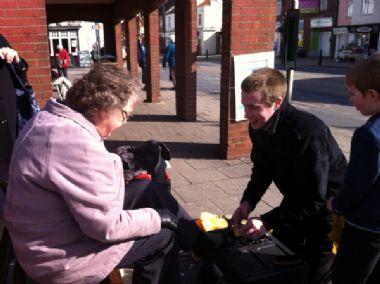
(209, 26)
(357, 29)
(316, 21)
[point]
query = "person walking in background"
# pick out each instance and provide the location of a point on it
(141, 58)
(169, 57)
(61, 83)
(358, 256)
(295, 150)
(63, 59)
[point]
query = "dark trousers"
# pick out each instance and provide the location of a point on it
(155, 258)
(63, 72)
(172, 75)
(148, 193)
(315, 249)
(358, 257)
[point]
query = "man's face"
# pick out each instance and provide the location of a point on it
(257, 111)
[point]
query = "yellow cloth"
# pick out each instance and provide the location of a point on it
(209, 222)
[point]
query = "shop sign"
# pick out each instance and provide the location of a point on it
(340, 31)
(364, 29)
(321, 22)
(309, 6)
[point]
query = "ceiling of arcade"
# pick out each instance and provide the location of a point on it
(60, 10)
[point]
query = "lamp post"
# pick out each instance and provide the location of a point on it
(290, 71)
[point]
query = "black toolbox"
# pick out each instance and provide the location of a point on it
(267, 260)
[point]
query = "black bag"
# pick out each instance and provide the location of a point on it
(149, 158)
(26, 102)
(242, 261)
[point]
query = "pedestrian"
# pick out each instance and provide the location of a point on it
(141, 57)
(64, 210)
(358, 255)
(95, 52)
(63, 59)
(61, 83)
(169, 57)
(297, 152)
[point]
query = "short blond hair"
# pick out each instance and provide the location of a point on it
(269, 81)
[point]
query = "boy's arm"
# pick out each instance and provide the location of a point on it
(363, 170)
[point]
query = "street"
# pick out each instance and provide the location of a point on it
(317, 89)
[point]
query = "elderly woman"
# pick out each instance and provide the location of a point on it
(64, 206)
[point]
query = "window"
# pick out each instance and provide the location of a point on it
(200, 20)
(368, 6)
(349, 8)
(323, 5)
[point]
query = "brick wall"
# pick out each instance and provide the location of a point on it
(130, 32)
(248, 27)
(23, 23)
(151, 34)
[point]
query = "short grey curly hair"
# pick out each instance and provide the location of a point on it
(105, 87)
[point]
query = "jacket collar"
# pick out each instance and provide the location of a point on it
(56, 107)
(272, 123)
(373, 117)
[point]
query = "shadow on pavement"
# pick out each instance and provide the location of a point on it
(155, 118)
(179, 150)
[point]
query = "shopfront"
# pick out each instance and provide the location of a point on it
(356, 42)
(320, 36)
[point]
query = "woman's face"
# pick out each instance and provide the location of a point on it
(108, 121)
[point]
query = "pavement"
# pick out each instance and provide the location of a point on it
(201, 180)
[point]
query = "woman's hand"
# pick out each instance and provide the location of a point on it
(9, 55)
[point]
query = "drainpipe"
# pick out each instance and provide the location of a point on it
(290, 72)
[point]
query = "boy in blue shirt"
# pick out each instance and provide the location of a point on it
(169, 57)
(358, 254)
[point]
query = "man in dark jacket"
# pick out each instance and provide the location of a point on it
(295, 150)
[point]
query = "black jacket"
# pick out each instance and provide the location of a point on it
(8, 112)
(296, 151)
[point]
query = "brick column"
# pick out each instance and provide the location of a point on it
(131, 38)
(119, 45)
(24, 25)
(186, 57)
(151, 32)
(109, 37)
(248, 27)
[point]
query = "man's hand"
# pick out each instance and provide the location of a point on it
(241, 213)
(254, 228)
(9, 55)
